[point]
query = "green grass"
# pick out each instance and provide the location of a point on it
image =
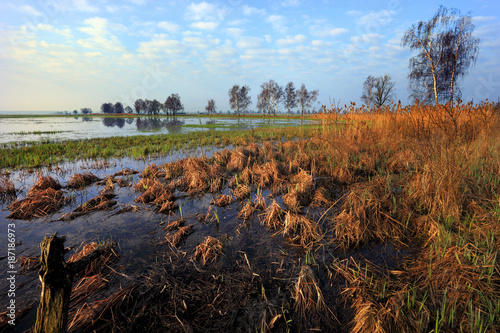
(37, 154)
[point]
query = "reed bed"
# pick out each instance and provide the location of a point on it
(7, 189)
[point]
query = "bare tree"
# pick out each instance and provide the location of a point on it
(210, 108)
(270, 96)
(290, 97)
(305, 98)
(368, 87)
(447, 50)
(378, 90)
(155, 106)
(139, 106)
(239, 100)
(173, 104)
(128, 109)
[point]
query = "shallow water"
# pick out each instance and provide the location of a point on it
(16, 130)
(248, 245)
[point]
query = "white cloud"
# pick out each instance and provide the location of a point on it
(100, 36)
(369, 38)
(248, 10)
(379, 19)
(169, 26)
(47, 27)
(83, 6)
(27, 9)
(159, 47)
(278, 23)
(320, 43)
(200, 43)
(205, 11)
(290, 3)
(205, 25)
(249, 42)
(297, 39)
(235, 32)
(325, 31)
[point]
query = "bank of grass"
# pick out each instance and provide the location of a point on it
(427, 180)
(37, 154)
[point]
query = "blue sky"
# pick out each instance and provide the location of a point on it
(58, 55)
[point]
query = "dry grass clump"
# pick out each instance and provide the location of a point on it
(155, 192)
(152, 171)
(79, 180)
(176, 238)
(222, 157)
(246, 212)
(125, 172)
(197, 174)
(39, 202)
(267, 174)
(240, 158)
(173, 169)
(174, 225)
(209, 250)
(222, 200)
(301, 230)
(44, 183)
(366, 215)
(273, 216)
(168, 206)
(308, 295)
(242, 191)
(321, 198)
(7, 189)
(99, 202)
(291, 200)
(259, 201)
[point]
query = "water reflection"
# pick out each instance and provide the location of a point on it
(173, 125)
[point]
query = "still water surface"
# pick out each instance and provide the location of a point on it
(15, 130)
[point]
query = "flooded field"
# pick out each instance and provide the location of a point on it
(252, 211)
(355, 228)
(16, 130)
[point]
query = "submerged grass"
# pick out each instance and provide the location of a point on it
(38, 154)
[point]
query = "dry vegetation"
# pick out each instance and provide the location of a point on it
(424, 180)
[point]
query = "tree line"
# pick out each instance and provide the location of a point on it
(271, 96)
(171, 106)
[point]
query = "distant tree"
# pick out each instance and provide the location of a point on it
(368, 87)
(128, 109)
(290, 97)
(210, 108)
(147, 106)
(173, 104)
(264, 99)
(270, 96)
(118, 108)
(305, 98)
(75, 111)
(447, 50)
(107, 108)
(139, 106)
(155, 107)
(86, 110)
(378, 90)
(239, 100)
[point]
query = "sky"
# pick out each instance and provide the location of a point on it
(58, 55)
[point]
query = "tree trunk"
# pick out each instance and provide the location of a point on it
(57, 279)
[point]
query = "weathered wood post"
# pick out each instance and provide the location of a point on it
(57, 279)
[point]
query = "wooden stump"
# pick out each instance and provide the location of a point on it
(57, 279)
